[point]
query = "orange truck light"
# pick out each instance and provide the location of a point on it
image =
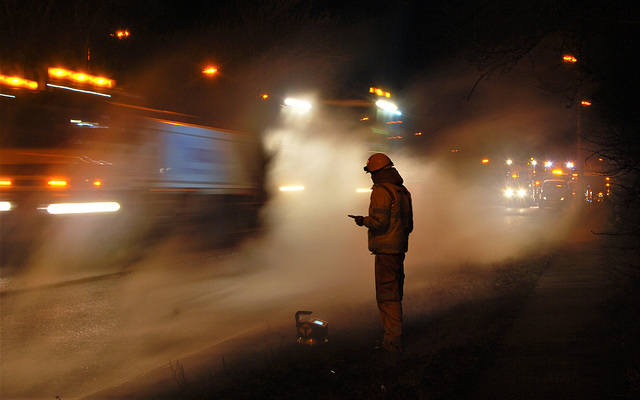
(17, 82)
(57, 183)
(5, 182)
(379, 92)
(80, 77)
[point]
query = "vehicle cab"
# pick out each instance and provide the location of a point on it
(555, 193)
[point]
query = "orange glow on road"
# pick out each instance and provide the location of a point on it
(5, 182)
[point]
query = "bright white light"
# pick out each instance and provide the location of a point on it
(82, 208)
(298, 104)
(521, 192)
(5, 206)
(508, 192)
(291, 188)
(363, 190)
(386, 105)
(534, 162)
(89, 124)
(509, 162)
(548, 164)
(569, 164)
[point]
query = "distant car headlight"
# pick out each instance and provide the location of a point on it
(508, 193)
(5, 206)
(522, 192)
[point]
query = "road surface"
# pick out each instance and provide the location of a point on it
(71, 335)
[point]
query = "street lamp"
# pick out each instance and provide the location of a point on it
(210, 71)
(121, 34)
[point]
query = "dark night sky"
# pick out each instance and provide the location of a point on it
(410, 47)
(396, 38)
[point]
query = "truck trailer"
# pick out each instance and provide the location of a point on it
(88, 155)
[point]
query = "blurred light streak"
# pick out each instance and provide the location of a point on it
(82, 208)
(291, 188)
(78, 90)
(297, 104)
(57, 183)
(388, 106)
(379, 92)
(17, 82)
(80, 77)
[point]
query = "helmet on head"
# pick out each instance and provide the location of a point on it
(377, 161)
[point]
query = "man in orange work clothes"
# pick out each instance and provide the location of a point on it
(390, 221)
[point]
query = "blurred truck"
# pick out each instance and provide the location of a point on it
(73, 150)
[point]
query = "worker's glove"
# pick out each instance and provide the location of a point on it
(359, 220)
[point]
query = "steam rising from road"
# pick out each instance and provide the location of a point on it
(312, 256)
